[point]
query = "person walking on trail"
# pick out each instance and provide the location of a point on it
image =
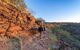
(41, 29)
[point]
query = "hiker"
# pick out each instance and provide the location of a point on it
(41, 29)
(44, 28)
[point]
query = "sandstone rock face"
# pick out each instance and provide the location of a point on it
(15, 28)
(12, 21)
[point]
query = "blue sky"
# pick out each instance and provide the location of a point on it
(55, 10)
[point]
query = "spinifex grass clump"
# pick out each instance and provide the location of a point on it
(16, 43)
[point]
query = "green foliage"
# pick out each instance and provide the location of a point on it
(53, 37)
(66, 36)
(74, 29)
(51, 48)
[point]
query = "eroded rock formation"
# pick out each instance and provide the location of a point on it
(15, 24)
(12, 20)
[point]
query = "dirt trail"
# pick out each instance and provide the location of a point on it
(35, 42)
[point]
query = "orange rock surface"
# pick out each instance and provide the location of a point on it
(17, 23)
(12, 20)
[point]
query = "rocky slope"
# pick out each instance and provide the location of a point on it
(15, 28)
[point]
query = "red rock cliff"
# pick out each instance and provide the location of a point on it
(16, 23)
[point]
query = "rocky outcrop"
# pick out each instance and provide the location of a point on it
(12, 20)
(15, 28)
